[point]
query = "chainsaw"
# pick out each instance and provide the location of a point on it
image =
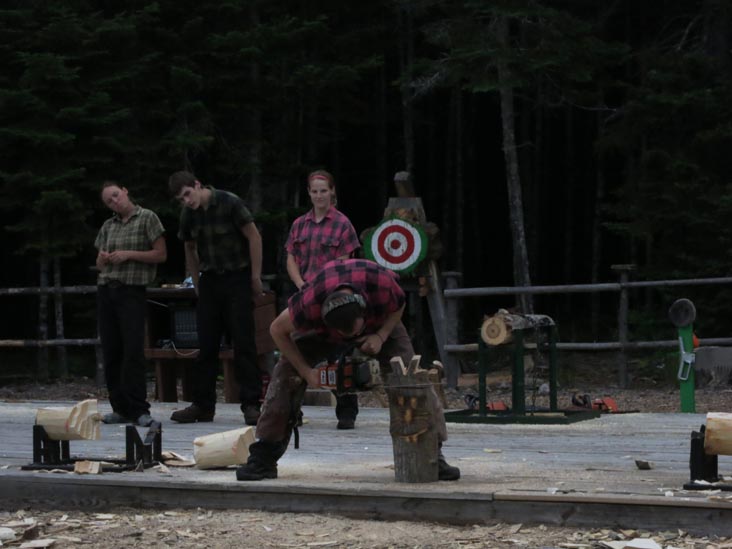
(349, 373)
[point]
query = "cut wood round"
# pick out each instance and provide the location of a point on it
(81, 421)
(497, 329)
(223, 449)
(718, 434)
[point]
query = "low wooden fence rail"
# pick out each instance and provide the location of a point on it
(623, 287)
(452, 294)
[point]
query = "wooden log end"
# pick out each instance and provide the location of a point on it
(495, 331)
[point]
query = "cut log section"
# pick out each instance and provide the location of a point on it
(78, 422)
(86, 467)
(498, 329)
(718, 434)
(223, 449)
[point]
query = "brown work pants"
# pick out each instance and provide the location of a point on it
(286, 389)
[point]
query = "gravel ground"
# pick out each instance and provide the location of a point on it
(235, 529)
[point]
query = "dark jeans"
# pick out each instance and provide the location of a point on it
(121, 318)
(225, 307)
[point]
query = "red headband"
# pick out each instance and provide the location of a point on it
(318, 177)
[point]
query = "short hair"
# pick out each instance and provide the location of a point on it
(340, 310)
(181, 179)
(109, 183)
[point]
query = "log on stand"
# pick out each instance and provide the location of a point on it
(498, 329)
(413, 426)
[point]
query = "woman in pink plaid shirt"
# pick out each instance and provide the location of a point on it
(319, 236)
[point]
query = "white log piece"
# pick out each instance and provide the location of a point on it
(78, 422)
(223, 449)
(718, 434)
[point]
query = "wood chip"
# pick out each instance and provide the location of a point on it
(38, 543)
(162, 468)
(642, 543)
(180, 462)
(86, 467)
(613, 544)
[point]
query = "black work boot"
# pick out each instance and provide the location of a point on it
(192, 414)
(262, 462)
(445, 471)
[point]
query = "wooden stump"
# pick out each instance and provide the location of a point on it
(718, 434)
(412, 424)
(223, 449)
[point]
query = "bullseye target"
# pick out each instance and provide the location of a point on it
(397, 245)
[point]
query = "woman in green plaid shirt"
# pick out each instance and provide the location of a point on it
(130, 244)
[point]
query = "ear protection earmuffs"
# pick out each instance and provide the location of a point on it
(341, 301)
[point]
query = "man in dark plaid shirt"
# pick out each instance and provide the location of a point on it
(316, 237)
(352, 300)
(221, 243)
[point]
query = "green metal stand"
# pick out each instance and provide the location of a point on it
(682, 314)
(686, 370)
(518, 413)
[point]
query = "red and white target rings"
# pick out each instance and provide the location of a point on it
(397, 245)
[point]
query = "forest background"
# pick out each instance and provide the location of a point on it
(548, 140)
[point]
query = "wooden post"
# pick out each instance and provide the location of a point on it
(58, 309)
(412, 425)
(452, 315)
(436, 302)
(42, 370)
(624, 271)
(411, 209)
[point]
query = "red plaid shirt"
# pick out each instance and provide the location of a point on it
(313, 244)
(378, 286)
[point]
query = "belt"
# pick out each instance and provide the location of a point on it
(114, 284)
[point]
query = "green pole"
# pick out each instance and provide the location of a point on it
(686, 337)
